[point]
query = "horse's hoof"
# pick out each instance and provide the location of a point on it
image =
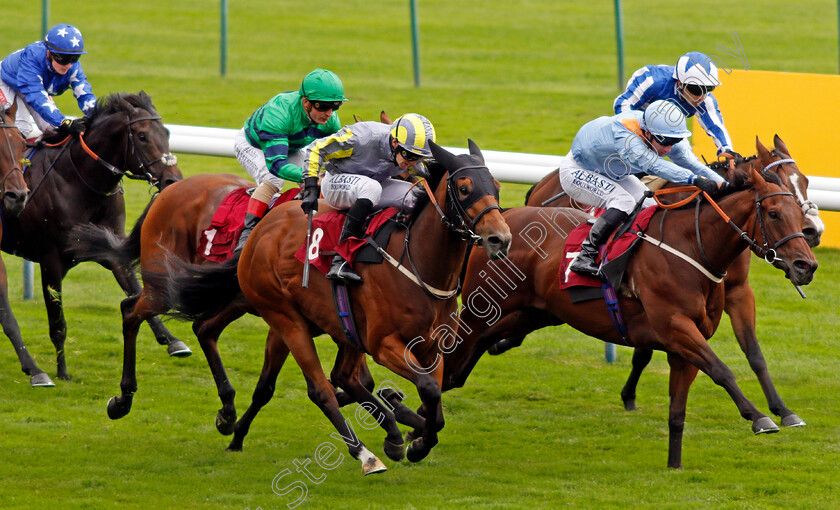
(118, 407)
(178, 349)
(42, 380)
(411, 436)
(64, 376)
(225, 425)
(792, 420)
(416, 451)
(630, 404)
(764, 426)
(373, 466)
(394, 451)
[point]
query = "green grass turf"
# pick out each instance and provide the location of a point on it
(541, 427)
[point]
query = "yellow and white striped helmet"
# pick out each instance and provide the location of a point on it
(413, 132)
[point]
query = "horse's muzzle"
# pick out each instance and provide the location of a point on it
(13, 201)
(801, 272)
(497, 246)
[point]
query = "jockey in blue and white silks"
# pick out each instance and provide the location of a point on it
(608, 151)
(31, 76)
(689, 84)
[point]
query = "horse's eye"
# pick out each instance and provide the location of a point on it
(773, 215)
(142, 136)
(463, 189)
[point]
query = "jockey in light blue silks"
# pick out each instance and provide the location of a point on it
(31, 76)
(688, 84)
(608, 151)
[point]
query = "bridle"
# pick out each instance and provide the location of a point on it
(809, 208)
(16, 165)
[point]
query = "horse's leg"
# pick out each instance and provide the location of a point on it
(37, 377)
(52, 273)
(505, 345)
(394, 355)
(681, 377)
(276, 353)
(131, 286)
(641, 358)
(740, 305)
(345, 373)
(208, 333)
(133, 309)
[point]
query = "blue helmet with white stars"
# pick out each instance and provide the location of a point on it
(65, 39)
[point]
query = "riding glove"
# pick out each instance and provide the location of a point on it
(310, 194)
(705, 184)
(73, 127)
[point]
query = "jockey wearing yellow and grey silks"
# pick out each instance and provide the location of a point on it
(269, 144)
(360, 162)
(605, 154)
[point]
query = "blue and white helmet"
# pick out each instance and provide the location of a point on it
(665, 119)
(65, 39)
(695, 68)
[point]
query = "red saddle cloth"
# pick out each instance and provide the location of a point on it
(326, 231)
(615, 247)
(219, 239)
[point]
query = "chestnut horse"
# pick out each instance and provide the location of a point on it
(394, 315)
(80, 181)
(15, 192)
(740, 299)
(171, 225)
(667, 303)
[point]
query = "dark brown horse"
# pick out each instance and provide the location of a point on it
(394, 315)
(12, 147)
(668, 303)
(80, 181)
(740, 299)
(171, 226)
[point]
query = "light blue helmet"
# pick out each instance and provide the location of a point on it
(695, 68)
(65, 39)
(665, 119)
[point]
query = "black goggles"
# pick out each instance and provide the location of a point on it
(667, 141)
(325, 106)
(698, 90)
(410, 156)
(64, 58)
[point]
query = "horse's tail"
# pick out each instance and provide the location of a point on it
(198, 292)
(102, 245)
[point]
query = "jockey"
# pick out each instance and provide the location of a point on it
(605, 154)
(268, 146)
(32, 75)
(689, 84)
(360, 162)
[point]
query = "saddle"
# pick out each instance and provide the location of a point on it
(326, 231)
(219, 239)
(617, 251)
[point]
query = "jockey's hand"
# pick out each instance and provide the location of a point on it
(73, 127)
(730, 154)
(705, 184)
(309, 197)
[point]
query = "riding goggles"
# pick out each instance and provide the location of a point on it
(667, 141)
(698, 90)
(325, 106)
(63, 59)
(410, 156)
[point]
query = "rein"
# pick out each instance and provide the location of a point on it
(767, 252)
(462, 225)
(22, 162)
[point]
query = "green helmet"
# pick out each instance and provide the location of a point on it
(322, 85)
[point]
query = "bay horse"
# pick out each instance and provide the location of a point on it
(15, 192)
(394, 315)
(172, 225)
(667, 303)
(740, 298)
(80, 181)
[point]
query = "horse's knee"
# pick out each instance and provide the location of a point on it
(428, 389)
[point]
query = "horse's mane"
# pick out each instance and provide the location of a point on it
(435, 172)
(121, 102)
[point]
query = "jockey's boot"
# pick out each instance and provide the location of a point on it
(256, 211)
(353, 225)
(585, 263)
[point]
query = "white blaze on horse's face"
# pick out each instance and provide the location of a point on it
(809, 208)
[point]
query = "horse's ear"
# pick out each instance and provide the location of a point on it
(385, 118)
(780, 145)
(443, 156)
(756, 179)
(763, 153)
(474, 150)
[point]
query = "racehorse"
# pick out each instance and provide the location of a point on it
(667, 301)
(740, 299)
(394, 315)
(15, 192)
(80, 181)
(171, 226)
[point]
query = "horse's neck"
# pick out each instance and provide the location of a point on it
(437, 252)
(107, 151)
